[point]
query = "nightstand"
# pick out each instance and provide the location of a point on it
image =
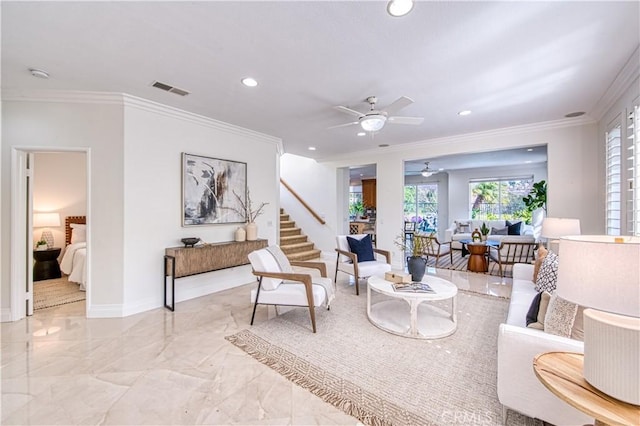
(46, 266)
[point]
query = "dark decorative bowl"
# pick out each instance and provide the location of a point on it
(190, 242)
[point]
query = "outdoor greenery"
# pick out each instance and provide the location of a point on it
(500, 199)
(356, 208)
(421, 206)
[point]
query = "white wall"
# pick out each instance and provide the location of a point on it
(572, 157)
(134, 195)
(59, 185)
(316, 183)
(62, 122)
(155, 138)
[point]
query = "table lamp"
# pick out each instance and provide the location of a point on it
(46, 220)
(602, 273)
(555, 227)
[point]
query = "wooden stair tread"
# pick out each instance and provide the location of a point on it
(293, 242)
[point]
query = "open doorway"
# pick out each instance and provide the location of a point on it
(50, 209)
(363, 200)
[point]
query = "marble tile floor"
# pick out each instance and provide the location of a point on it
(160, 367)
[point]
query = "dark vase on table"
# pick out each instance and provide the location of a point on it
(417, 266)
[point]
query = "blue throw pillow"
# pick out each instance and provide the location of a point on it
(514, 228)
(363, 248)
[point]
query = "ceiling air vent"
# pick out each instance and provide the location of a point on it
(168, 88)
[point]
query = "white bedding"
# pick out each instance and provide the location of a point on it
(73, 263)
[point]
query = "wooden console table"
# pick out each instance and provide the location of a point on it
(182, 262)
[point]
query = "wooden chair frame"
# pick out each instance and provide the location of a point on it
(513, 255)
(354, 259)
(428, 241)
(305, 279)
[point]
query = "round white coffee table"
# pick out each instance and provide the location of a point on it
(404, 314)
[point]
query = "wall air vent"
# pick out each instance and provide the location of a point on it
(168, 88)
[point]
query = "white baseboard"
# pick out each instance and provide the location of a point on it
(5, 315)
(187, 288)
(105, 311)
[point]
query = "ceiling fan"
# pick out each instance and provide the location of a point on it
(426, 172)
(374, 120)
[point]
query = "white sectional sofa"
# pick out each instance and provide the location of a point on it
(518, 387)
(526, 232)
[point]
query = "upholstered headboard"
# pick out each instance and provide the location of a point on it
(67, 226)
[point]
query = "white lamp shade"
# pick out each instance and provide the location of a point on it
(556, 227)
(601, 272)
(46, 220)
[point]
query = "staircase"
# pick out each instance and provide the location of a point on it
(293, 243)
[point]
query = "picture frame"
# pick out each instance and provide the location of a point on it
(213, 190)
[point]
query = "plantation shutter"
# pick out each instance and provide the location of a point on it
(633, 173)
(613, 176)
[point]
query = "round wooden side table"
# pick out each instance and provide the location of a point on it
(478, 257)
(46, 266)
(561, 373)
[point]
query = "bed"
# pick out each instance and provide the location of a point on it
(73, 261)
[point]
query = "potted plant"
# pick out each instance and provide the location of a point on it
(41, 245)
(484, 230)
(416, 264)
(537, 198)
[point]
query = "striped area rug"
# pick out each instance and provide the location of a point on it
(460, 264)
(56, 292)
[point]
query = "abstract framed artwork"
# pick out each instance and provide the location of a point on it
(211, 190)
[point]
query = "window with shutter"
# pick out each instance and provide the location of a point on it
(614, 177)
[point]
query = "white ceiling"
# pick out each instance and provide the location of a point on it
(511, 63)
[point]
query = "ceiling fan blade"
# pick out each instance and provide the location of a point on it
(348, 111)
(343, 125)
(397, 105)
(405, 120)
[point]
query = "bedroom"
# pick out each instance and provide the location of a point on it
(59, 186)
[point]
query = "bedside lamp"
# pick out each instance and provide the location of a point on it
(602, 273)
(46, 220)
(555, 227)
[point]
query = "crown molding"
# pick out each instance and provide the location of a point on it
(467, 137)
(627, 75)
(126, 100)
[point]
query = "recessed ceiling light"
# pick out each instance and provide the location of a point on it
(575, 114)
(38, 73)
(465, 112)
(312, 148)
(529, 149)
(383, 145)
(397, 8)
(361, 133)
(249, 82)
(361, 174)
(527, 162)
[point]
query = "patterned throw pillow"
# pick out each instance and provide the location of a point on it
(462, 227)
(548, 274)
(542, 253)
(560, 317)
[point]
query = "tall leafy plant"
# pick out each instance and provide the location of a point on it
(536, 199)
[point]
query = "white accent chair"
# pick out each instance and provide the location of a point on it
(347, 261)
(279, 288)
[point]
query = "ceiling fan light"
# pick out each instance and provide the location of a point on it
(399, 8)
(426, 173)
(373, 122)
